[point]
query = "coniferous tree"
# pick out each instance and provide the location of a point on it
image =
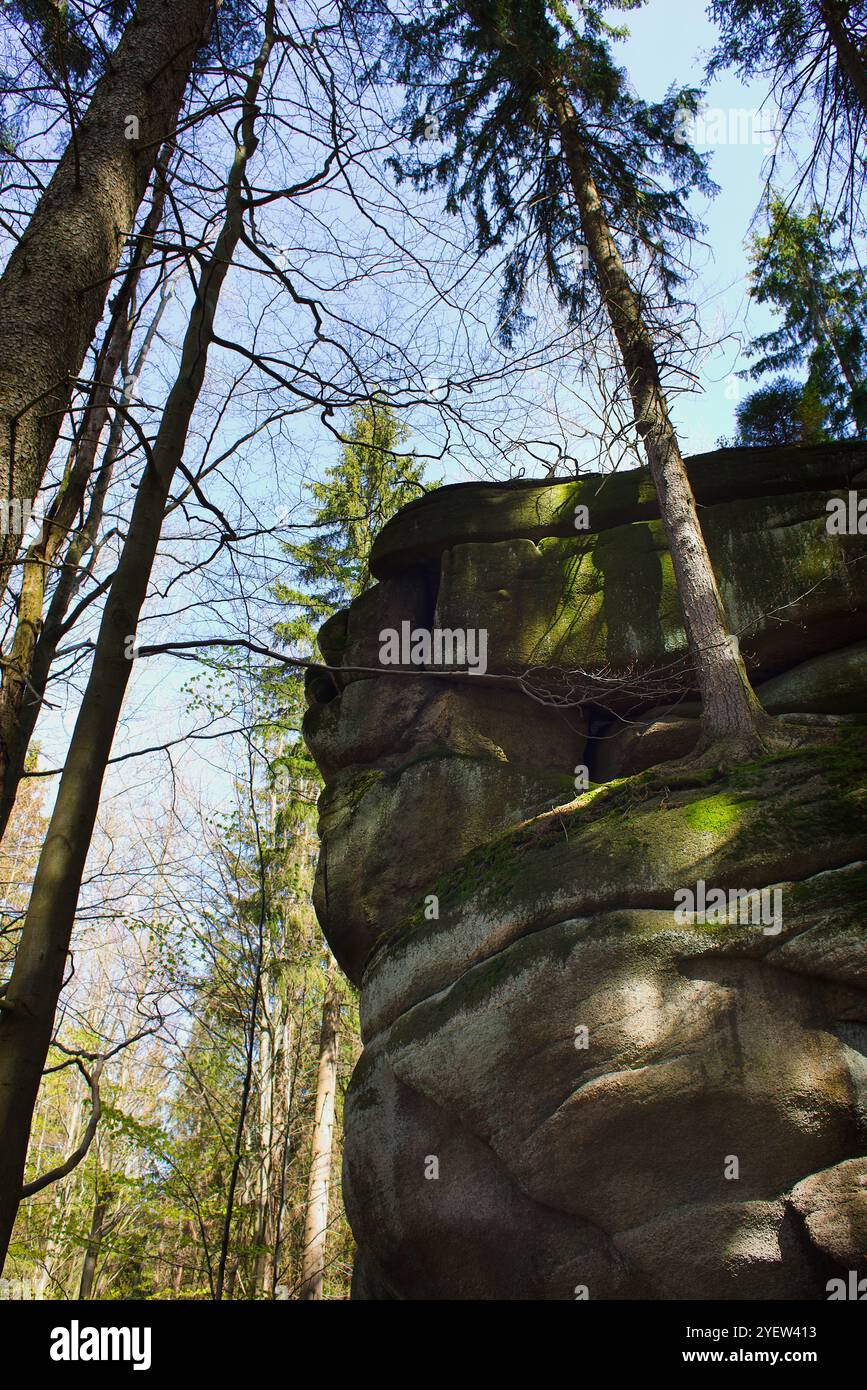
(544, 137)
(299, 1019)
(799, 270)
(813, 54)
(354, 500)
(372, 481)
(781, 414)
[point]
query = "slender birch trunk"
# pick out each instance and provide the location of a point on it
(61, 1193)
(284, 1092)
(265, 1083)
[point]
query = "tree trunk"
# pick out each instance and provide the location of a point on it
(285, 1097)
(20, 697)
(185, 1244)
(54, 287)
(319, 1181)
(731, 713)
(62, 1192)
(823, 328)
(848, 56)
(27, 1015)
(94, 1243)
(262, 1267)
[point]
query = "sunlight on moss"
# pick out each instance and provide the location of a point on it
(713, 814)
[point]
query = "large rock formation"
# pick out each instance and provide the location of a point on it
(571, 1083)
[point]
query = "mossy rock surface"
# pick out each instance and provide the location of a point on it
(471, 512)
(508, 560)
(608, 600)
(387, 836)
(582, 1061)
(586, 1069)
(630, 844)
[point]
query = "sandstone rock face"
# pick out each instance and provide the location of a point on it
(577, 1079)
(827, 688)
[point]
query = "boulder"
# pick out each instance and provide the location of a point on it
(624, 749)
(636, 1131)
(389, 835)
(833, 1206)
(834, 683)
(350, 640)
(607, 601)
(524, 509)
(390, 720)
(576, 1081)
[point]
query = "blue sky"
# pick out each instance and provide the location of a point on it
(668, 44)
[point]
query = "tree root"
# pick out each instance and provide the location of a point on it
(768, 736)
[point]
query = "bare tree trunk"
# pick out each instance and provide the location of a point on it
(54, 287)
(266, 1146)
(20, 699)
(731, 713)
(179, 1271)
(61, 1193)
(263, 1271)
(28, 1007)
(319, 1182)
(94, 1244)
(285, 1106)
